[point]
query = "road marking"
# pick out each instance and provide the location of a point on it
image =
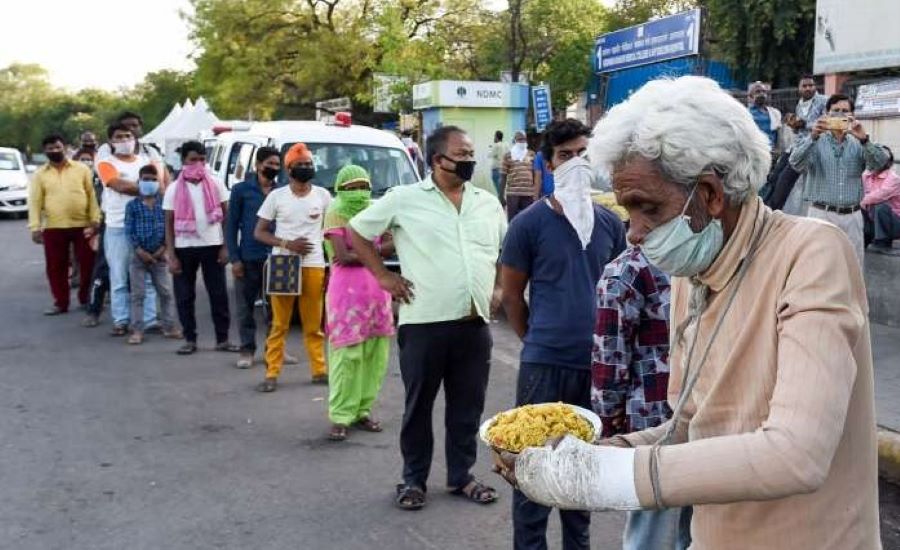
(421, 538)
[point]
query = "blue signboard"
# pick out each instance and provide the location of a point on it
(667, 38)
(543, 113)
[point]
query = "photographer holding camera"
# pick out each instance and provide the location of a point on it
(834, 155)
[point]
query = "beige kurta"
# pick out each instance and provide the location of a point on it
(779, 451)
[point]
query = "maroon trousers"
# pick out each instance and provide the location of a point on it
(57, 243)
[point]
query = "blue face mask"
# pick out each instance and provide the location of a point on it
(676, 249)
(148, 188)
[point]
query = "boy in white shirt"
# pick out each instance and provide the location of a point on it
(195, 206)
(298, 210)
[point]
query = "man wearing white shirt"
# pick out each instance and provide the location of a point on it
(196, 205)
(298, 211)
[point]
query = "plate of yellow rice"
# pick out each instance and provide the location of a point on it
(533, 425)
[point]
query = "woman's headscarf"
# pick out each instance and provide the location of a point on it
(348, 203)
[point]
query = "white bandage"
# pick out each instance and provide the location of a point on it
(578, 476)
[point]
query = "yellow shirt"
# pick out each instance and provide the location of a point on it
(777, 444)
(63, 197)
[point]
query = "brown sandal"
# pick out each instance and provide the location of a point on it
(410, 497)
(366, 424)
(478, 492)
(338, 433)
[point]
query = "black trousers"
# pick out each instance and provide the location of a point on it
(783, 178)
(457, 354)
(247, 290)
(99, 280)
(540, 383)
(193, 259)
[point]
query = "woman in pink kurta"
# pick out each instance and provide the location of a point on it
(360, 320)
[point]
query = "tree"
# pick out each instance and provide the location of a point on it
(768, 40)
(159, 92)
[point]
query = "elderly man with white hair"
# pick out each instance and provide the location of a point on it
(773, 438)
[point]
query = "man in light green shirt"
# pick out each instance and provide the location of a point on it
(498, 152)
(447, 234)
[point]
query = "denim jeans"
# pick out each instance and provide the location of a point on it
(118, 250)
(666, 529)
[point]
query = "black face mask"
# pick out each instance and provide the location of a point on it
(89, 146)
(270, 173)
(56, 156)
(760, 100)
(463, 168)
(303, 173)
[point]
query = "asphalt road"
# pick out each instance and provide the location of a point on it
(106, 446)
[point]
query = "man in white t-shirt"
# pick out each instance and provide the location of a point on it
(119, 174)
(135, 123)
(196, 206)
(298, 211)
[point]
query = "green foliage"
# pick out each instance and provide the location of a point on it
(770, 40)
(30, 107)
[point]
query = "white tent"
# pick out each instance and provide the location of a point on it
(158, 134)
(194, 120)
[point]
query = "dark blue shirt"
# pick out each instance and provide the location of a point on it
(145, 226)
(246, 198)
(547, 184)
(562, 279)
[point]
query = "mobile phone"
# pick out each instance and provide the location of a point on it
(837, 123)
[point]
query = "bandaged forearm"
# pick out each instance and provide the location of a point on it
(578, 476)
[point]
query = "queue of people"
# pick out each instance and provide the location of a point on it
(694, 341)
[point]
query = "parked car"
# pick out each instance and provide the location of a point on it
(13, 183)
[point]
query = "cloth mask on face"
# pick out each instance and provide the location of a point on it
(56, 156)
(573, 191)
(463, 168)
(676, 249)
(303, 173)
(518, 151)
(148, 188)
(270, 173)
(193, 171)
(124, 147)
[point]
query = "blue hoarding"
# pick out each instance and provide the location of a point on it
(667, 38)
(543, 113)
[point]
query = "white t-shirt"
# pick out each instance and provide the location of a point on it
(297, 217)
(207, 234)
(110, 168)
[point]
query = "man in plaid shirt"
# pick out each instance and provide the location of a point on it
(630, 377)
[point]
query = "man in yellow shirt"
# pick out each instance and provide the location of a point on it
(63, 213)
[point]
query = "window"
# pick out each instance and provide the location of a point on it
(9, 161)
(240, 162)
(387, 167)
(219, 152)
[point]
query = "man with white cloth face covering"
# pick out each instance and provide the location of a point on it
(558, 248)
(773, 434)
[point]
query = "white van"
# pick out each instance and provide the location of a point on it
(231, 155)
(13, 183)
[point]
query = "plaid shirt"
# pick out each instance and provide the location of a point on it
(145, 227)
(834, 170)
(630, 369)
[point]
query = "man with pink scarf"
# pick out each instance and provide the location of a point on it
(195, 206)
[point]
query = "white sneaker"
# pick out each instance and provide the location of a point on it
(291, 359)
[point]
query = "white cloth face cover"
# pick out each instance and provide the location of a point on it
(572, 188)
(578, 476)
(518, 151)
(123, 147)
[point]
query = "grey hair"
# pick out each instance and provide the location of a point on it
(687, 126)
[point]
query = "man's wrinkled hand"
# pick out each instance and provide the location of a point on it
(505, 466)
(400, 288)
(37, 237)
(237, 270)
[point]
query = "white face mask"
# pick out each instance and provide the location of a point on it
(123, 147)
(572, 189)
(518, 151)
(674, 247)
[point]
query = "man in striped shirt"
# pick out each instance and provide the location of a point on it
(834, 158)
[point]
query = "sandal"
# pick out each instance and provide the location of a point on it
(268, 385)
(187, 349)
(119, 330)
(245, 362)
(409, 497)
(337, 433)
(366, 424)
(478, 492)
(227, 346)
(173, 334)
(321, 379)
(90, 321)
(136, 338)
